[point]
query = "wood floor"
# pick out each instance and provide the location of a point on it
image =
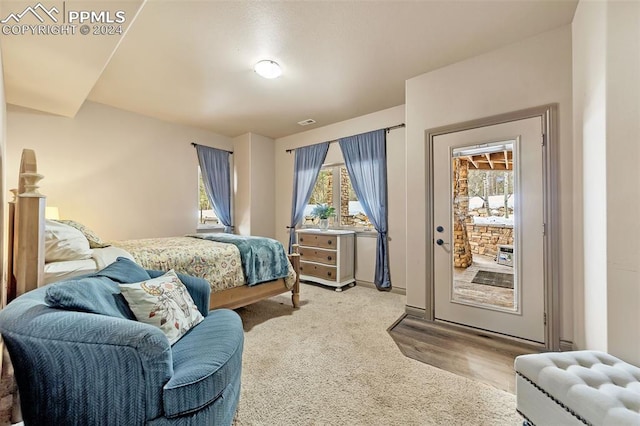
(465, 290)
(474, 355)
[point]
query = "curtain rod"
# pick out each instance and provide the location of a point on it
(195, 144)
(387, 129)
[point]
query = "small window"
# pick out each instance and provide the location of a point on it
(334, 188)
(206, 216)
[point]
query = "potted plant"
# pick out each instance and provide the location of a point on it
(323, 212)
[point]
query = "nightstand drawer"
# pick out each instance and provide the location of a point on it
(328, 257)
(325, 272)
(317, 240)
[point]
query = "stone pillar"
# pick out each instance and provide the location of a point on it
(345, 181)
(329, 187)
(462, 256)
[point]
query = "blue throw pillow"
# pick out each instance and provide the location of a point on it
(124, 271)
(96, 295)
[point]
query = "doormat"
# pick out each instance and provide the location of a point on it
(496, 279)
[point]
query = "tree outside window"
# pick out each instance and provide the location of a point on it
(207, 215)
(491, 192)
(333, 187)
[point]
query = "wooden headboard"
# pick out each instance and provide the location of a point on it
(26, 230)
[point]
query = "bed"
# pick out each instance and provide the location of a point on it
(220, 259)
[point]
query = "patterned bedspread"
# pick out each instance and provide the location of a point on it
(218, 263)
(263, 259)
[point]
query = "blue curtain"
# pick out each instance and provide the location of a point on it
(214, 166)
(307, 164)
(365, 156)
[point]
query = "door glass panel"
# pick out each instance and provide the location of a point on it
(484, 243)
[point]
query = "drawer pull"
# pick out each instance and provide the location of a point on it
(329, 273)
(329, 242)
(329, 258)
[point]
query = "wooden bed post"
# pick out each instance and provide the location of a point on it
(28, 222)
(295, 291)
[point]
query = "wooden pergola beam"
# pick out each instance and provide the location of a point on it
(501, 160)
(488, 156)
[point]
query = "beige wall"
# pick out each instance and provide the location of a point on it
(263, 189)
(589, 100)
(365, 244)
(606, 65)
(623, 157)
(254, 177)
(3, 186)
(534, 72)
(10, 408)
(120, 173)
(242, 184)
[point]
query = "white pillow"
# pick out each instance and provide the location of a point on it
(64, 242)
(165, 303)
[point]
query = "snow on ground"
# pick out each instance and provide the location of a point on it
(495, 202)
(492, 220)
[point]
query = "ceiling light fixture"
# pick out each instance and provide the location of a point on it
(268, 69)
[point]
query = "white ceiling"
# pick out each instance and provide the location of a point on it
(191, 61)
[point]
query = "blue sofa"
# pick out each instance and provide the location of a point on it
(91, 363)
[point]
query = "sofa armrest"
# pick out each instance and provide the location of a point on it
(52, 351)
(198, 288)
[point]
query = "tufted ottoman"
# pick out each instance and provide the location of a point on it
(580, 387)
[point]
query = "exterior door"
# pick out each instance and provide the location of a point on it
(488, 217)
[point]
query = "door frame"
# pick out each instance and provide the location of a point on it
(548, 115)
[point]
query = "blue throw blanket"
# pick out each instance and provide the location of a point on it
(263, 259)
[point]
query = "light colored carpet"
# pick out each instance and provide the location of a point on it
(332, 362)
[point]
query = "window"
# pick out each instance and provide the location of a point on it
(333, 187)
(207, 216)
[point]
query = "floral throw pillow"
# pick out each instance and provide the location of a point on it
(165, 303)
(94, 240)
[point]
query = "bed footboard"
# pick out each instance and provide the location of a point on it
(244, 295)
